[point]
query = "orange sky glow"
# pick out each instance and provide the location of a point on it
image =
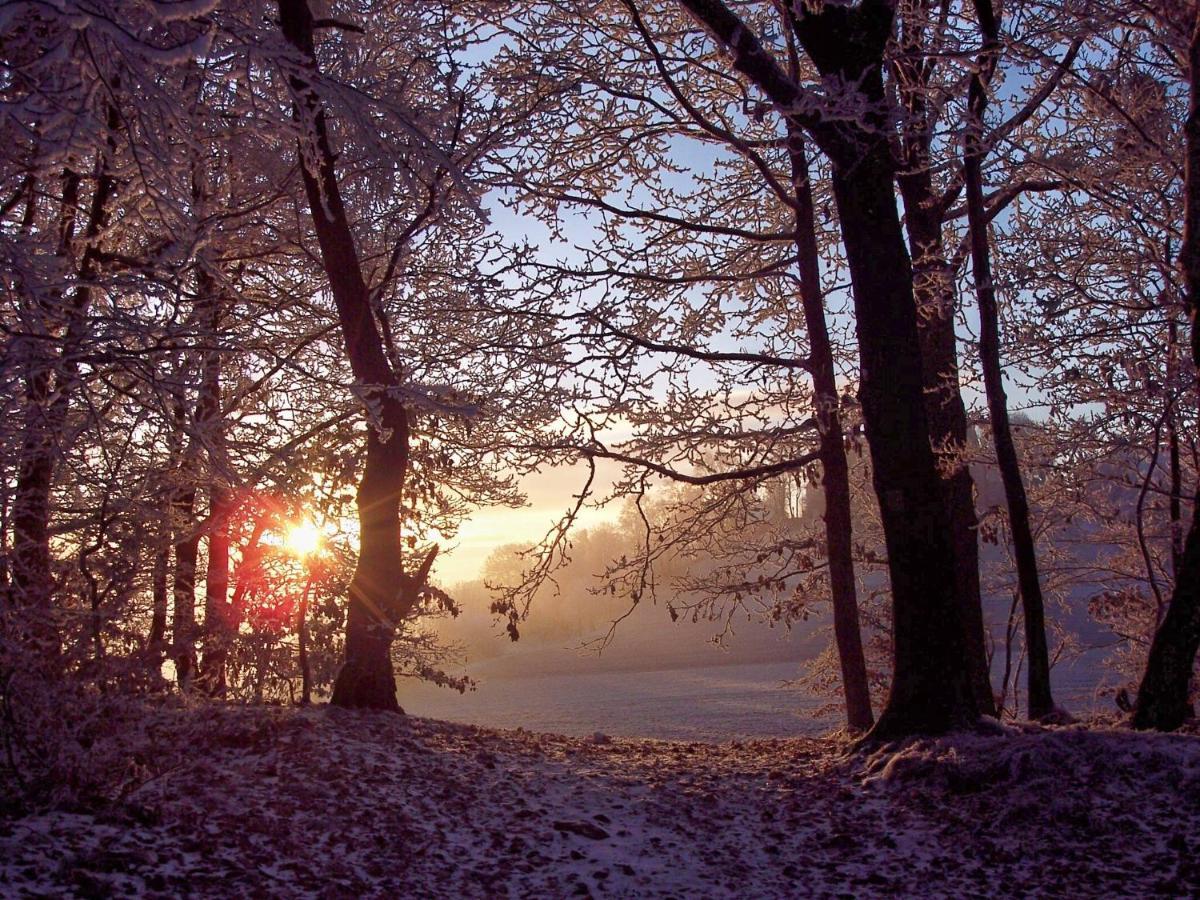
(550, 494)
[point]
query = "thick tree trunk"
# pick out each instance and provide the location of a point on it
(31, 576)
(185, 538)
(933, 290)
(931, 684)
(379, 599)
(376, 596)
(32, 579)
(915, 69)
(19, 356)
(931, 687)
(1175, 501)
(835, 472)
(1164, 696)
(1041, 702)
(5, 504)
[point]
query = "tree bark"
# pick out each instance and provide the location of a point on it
(186, 536)
(32, 579)
(302, 645)
(835, 472)
(378, 598)
(187, 546)
(1164, 696)
(50, 386)
(156, 640)
(931, 685)
(1041, 702)
(1175, 501)
(220, 626)
(931, 688)
(933, 289)
(5, 502)
(366, 678)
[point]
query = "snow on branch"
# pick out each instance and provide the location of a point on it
(432, 398)
(753, 60)
(183, 10)
(435, 399)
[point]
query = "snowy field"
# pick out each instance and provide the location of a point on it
(695, 703)
(240, 802)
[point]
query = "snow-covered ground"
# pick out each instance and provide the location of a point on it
(239, 802)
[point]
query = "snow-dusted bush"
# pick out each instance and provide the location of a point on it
(1032, 765)
(56, 740)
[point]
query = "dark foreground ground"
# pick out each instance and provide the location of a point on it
(220, 801)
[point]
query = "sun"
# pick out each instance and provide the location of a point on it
(303, 538)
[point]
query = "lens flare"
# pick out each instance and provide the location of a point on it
(303, 538)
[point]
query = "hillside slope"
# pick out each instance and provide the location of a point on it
(242, 802)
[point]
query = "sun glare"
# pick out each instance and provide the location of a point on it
(303, 538)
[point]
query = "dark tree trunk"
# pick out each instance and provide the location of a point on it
(366, 678)
(1041, 702)
(156, 640)
(302, 646)
(1164, 700)
(1175, 501)
(5, 503)
(835, 472)
(49, 390)
(933, 290)
(183, 627)
(185, 538)
(94, 597)
(931, 685)
(32, 578)
(379, 598)
(1164, 696)
(219, 624)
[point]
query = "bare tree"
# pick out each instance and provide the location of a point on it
(1163, 700)
(931, 688)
